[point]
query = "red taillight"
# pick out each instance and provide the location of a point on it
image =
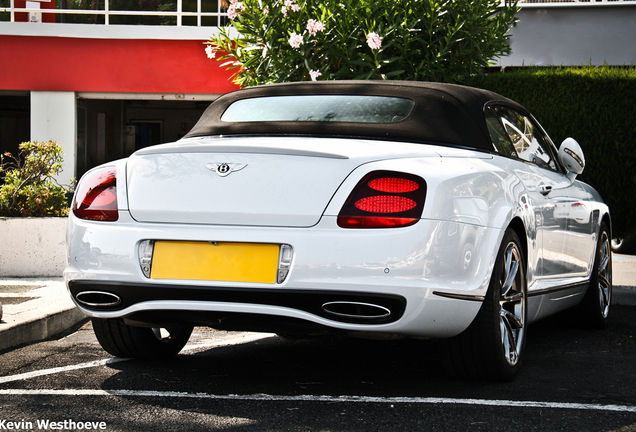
(384, 199)
(385, 204)
(393, 185)
(96, 196)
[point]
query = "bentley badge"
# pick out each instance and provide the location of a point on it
(223, 168)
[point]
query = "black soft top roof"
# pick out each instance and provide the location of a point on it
(444, 114)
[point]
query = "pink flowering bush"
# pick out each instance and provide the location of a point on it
(314, 27)
(295, 40)
(374, 41)
(269, 41)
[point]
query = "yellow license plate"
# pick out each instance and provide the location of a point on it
(232, 262)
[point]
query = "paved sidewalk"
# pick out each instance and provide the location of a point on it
(35, 309)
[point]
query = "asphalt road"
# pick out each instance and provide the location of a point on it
(572, 379)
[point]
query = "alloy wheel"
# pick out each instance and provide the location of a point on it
(605, 276)
(512, 313)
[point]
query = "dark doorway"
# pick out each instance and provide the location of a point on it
(110, 129)
(147, 133)
(15, 121)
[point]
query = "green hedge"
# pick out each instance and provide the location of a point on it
(597, 107)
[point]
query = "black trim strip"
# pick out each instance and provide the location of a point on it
(530, 294)
(558, 288)
(460, 296)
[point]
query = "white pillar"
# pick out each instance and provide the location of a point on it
(53, 117)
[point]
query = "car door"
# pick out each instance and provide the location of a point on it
(582, 221)
(549, 190)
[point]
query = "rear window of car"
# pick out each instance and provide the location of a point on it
(319, 108)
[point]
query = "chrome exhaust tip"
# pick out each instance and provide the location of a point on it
(98, 299)
(357, 310)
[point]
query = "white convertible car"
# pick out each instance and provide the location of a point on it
(371, 209)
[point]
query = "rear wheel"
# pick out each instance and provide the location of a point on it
(595, 306)
(492, 347)
(122, 340)
(466, 256)
(624, 245)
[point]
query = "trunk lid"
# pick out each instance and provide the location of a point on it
(248, 181)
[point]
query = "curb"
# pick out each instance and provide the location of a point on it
(48, 311)
(39, 329)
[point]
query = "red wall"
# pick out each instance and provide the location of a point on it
(109, 65)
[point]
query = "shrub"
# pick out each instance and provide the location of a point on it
(594, 105)
(29, 187)
(426, 40)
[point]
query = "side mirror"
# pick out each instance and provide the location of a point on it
(572, 158)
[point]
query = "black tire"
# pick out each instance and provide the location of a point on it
(595, 307)
(491, 348)
(625, 246)
(122, 340)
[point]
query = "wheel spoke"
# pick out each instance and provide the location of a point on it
(603, 299)
(604, 291)
(602, 269)
(514, 297)
(604, 283)
(511, 320)
(510, 341)
(511, 270)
